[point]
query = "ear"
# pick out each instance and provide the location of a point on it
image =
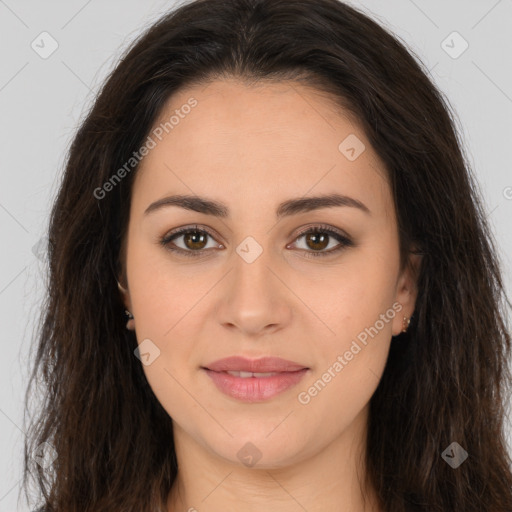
(122, 282)
(125, 294)
(407, 290)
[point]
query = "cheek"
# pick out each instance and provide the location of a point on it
(358, 306)
(159, 292)
(161, 301)
(352, 296)
(338, 394)
(349, 364)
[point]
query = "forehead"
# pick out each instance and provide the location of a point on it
(254, 140)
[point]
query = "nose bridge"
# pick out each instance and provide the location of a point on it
(252, 298)
(252, 279)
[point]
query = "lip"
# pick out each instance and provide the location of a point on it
(255, 389)
(261, 365)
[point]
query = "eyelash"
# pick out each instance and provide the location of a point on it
(339, 236)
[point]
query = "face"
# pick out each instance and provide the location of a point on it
(261, 275)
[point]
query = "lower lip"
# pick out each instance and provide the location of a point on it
(255, 389)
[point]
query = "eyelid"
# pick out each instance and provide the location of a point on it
(323, 228)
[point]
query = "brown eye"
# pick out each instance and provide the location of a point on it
(321, 241)
(189, 241)
(317, 241)
(195, 239)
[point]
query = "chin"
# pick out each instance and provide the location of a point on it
(260, 452)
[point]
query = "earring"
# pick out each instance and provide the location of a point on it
(405, 324)
(130, 324)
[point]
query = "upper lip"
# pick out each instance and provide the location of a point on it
(262, 365)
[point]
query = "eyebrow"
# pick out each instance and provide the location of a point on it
(284, 209)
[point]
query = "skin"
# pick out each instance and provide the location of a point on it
(252, 147)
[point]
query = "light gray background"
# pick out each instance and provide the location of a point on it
(42, 100)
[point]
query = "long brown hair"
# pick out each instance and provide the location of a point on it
(446, 379)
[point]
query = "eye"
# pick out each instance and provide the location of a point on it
(319, 238)
(194, 241)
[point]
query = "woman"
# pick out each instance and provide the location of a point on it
(271, 280)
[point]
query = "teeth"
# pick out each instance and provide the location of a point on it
(245, 375)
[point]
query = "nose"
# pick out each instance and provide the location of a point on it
(255, 301)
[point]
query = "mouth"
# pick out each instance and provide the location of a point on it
(245, 375)
(254, 380)
(261, 366)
